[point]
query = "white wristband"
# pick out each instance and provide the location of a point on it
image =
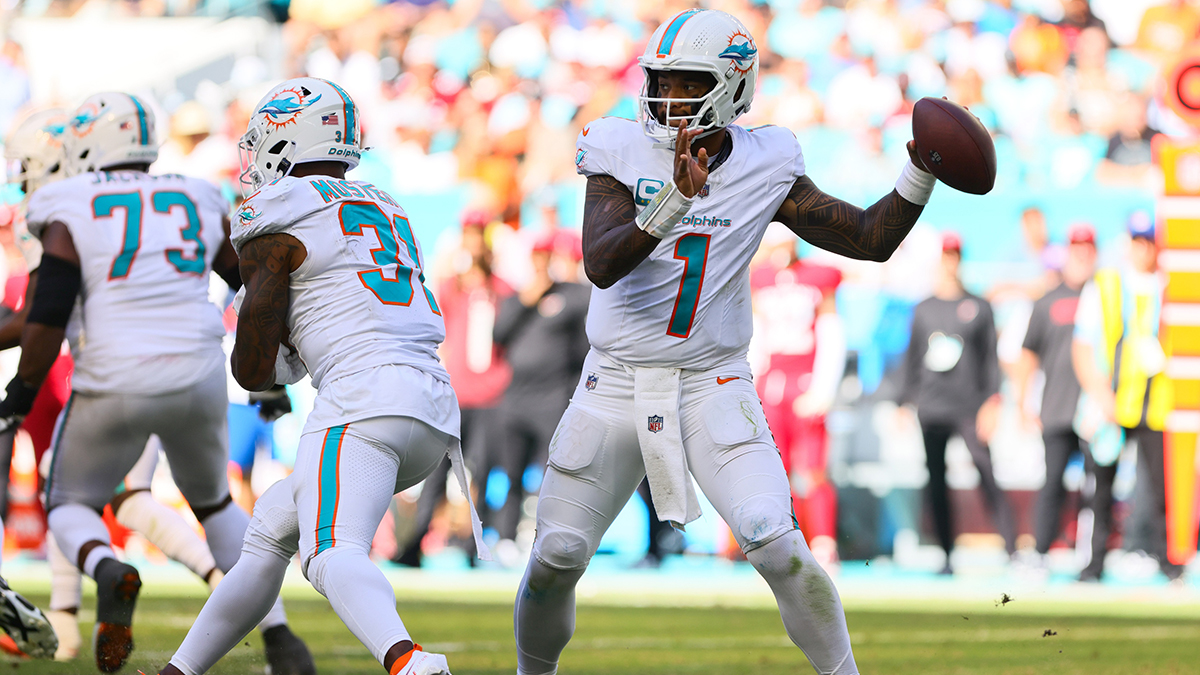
(663, 212)
(914, 184)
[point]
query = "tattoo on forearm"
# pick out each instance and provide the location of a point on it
(613, 245)
(265, 267)
(837, 226)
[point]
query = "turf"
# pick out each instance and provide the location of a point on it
(653, 641)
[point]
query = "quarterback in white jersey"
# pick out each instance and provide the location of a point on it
(676, 205)
(334, 288)
(135, 251)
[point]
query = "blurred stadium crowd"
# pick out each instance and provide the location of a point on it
(471, 109)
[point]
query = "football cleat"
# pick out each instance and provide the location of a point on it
(286, 653)
(420, 662)
(117, 588)
(31, 633)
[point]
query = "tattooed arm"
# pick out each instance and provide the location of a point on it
(225, 263)
(612, 243)
(266, 263)
(834, 225)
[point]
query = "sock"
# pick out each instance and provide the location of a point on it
(166, 529)
(361, 596)
(544, 617)
(224, 531)
(243, 598)
(66, 581)
(808, 602)
(75, 525)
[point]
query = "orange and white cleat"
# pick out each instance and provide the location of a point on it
(26, 627)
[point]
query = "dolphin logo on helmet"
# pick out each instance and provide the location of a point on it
(741, 53)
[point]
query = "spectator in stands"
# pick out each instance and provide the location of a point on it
(542, 332)
(1128, 161)
(1121, 366)
(1047, 345)
(478, 371)
(952, 376)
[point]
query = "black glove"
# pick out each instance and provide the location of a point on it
(16, 404)
(272, 403)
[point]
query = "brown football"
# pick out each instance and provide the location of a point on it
(954, 145)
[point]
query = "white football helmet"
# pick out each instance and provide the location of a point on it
(33, 152)
(304, 119)
(108, 129)
(705, 40)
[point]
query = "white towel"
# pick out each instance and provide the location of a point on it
(656, 414)
(460, 474)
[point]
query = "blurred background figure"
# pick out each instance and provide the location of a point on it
(952, 377)
(479, 373)
(1120, 364)
(802, 344)
(542, 332)
(1047, 345)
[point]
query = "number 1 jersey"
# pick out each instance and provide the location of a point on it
(146, 245)
(358, 301)
(688, 304)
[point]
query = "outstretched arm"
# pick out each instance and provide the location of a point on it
(872, 234)
(266, 262)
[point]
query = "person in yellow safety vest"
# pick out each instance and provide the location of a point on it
(1121, 366)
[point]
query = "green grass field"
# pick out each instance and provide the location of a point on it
(652, 641)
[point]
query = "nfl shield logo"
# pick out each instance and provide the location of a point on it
(592, 380)
(704, 191)
(654, 423)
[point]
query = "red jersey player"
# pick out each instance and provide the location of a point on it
(800, 337)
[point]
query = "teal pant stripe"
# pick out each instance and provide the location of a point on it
(327, 487)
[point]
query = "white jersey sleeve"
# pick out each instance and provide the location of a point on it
(594, 151)
(49, 204)
(271, 210)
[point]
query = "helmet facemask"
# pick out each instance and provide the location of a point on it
(655, 111)
(260, 166)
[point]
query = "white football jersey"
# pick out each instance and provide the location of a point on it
(358, 301)
(688, 304)
(146, 245)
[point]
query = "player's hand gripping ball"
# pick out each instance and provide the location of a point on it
(954, 145)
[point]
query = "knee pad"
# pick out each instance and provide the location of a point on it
(317, 568)
(761, 519)
(562, 548)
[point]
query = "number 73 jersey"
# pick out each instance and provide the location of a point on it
(688, 304)
(358, 301)
(145, 245)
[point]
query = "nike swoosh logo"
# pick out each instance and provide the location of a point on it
(586, 130)
(723, 380)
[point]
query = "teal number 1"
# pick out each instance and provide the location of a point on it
(692, 249)
(102, 207)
